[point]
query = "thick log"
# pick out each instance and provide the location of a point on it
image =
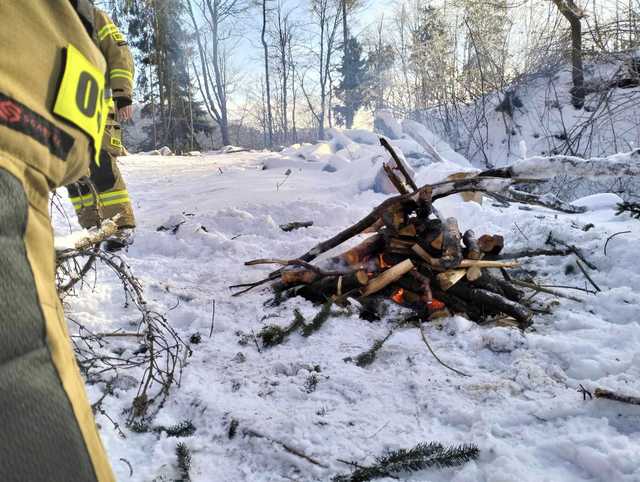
(329, 286)
(447, 279)
(359, 253)
(500, 286)
(385, 279)
(298, 277)
(459, 305)
(491, 244)
(471, 243)
(451, 248)
(501, 304)
(438, 242)
(474, 273)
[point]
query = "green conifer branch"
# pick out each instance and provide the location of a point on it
(183, 455)
(633, 209)
(422, 456)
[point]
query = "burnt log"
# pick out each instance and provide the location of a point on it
(472, 250)
(329, 286)
(491, 244)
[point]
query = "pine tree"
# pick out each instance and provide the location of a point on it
(354, 83)
(162, 46)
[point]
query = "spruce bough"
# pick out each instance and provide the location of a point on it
(422, 456)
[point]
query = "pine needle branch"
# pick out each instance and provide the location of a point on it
(318, 320)
(273, 335)
(183, 455)
(422, 456)
(633, 209)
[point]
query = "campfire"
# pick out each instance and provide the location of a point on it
(413, 257)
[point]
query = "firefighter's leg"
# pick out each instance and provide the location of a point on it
(47, 422)
(112, 190)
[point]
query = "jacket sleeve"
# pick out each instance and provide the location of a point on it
(116, 50)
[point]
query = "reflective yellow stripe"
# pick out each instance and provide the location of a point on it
(115, 201)
(82, 199)
(107, 195)
(106, 31)
(120, 74)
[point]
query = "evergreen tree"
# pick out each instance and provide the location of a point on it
(162, 46)
(354, 83)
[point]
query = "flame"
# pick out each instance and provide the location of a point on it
(436, 305)
(398, 296)
(383, 264)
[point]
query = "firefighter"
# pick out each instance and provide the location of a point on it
(51, 123)
(111, 191)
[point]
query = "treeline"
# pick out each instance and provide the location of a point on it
(265, 73)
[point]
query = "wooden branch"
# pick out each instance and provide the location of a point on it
(296, 225)
(386, 278)
(108, 228)
(603, 393)
(298, 276)
(532, 253)
(465, 263)
(399, 163)
(586, 275)
(548, 201)
(542, 289)
(395, 180)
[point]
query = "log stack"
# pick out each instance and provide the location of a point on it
(412, 256)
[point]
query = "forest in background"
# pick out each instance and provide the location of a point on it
(264, 74)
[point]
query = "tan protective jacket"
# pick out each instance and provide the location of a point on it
(119, 60)
(34, 41)
(52, 113)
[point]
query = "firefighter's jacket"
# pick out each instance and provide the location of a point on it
(116, 51)
(52, 115)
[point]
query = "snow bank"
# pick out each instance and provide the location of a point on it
(357, 154)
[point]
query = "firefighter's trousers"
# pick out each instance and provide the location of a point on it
(111, 190)
(48, 430)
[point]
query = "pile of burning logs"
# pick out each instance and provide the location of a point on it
(413, 256)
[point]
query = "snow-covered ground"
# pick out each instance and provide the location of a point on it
(520, 404)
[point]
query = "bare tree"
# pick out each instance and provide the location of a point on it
(574, 15)
(327, 15)
(265, 47)
(283, 35)
(213, 76)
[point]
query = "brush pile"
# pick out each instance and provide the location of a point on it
(415, 257)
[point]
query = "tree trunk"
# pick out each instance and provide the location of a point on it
(571, 12)
(266, 74)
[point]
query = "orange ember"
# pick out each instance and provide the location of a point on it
(398, 296)
(436, 305)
